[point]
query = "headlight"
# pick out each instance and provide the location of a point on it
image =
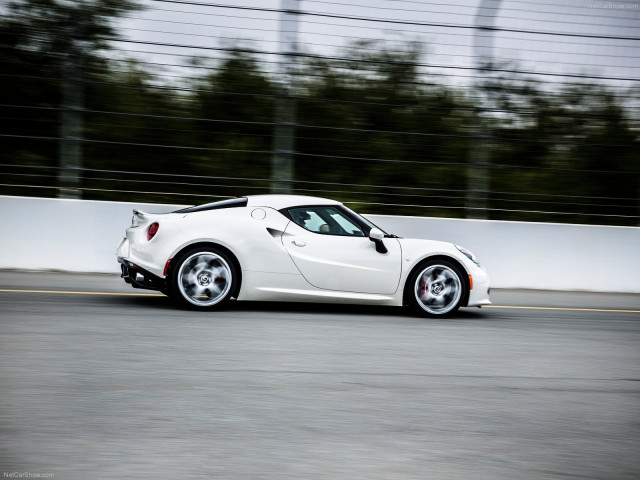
(468, 254)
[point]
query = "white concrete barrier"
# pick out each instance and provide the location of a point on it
(81, 236)
(68, 235)
(547, 256)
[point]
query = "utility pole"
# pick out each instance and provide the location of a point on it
(71, 118)
(478, 170)
(282, 161)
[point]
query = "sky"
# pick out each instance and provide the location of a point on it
(564, 42)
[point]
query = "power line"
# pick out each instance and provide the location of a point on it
(501, 8)
(444, 83)
(358, 159)
(374, 193)
(376, 187)
(373, 38)
(403, 22)
(466, 35)
(373, 49)
(369, 61)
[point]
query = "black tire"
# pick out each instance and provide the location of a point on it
(202, 278)
(436, 288)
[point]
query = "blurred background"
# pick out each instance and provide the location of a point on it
(508, 110)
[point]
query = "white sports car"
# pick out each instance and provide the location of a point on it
(296, 249)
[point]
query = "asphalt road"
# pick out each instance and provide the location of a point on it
(105, 386)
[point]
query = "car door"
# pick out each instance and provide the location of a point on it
(332, 252)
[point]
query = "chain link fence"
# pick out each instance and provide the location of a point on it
(509, 110)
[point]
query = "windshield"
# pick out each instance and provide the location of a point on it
(364, 220)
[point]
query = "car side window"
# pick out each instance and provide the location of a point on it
(325, 220)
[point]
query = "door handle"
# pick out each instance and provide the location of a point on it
(299, 243)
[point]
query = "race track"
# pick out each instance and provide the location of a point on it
(100, 381)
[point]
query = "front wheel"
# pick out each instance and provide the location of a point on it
(437, 287)
(204, 278)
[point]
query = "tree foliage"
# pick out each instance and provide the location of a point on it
(372, 127)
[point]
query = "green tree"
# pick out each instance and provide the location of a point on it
(234, 103)
(569, 149)
(373, 120)
(39, 40)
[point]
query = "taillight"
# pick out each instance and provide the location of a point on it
(153, 229)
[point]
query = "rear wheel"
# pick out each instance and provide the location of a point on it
(436, 288)
(203, 278)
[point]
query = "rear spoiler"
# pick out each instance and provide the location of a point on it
(139, 217)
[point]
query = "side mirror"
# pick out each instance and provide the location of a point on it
(376, 236)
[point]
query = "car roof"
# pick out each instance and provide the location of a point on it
(285, 201)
